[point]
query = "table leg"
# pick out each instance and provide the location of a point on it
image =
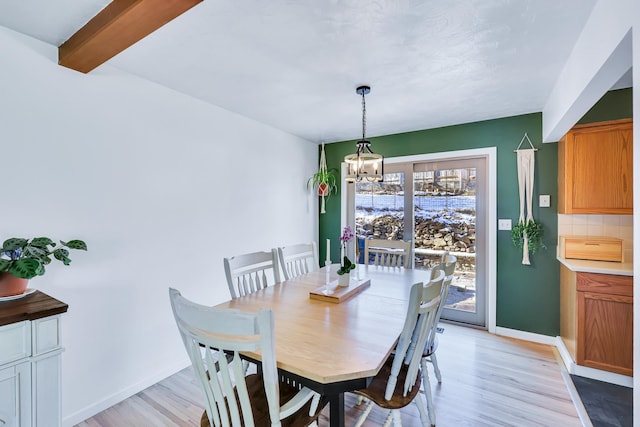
(336, 410)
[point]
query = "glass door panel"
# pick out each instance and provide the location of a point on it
(380, 209)
(446, 217)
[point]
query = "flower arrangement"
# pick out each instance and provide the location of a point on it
(25, 258)
(345, 263)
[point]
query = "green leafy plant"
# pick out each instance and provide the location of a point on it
(534, 232)
(324, 181)
(26, 258)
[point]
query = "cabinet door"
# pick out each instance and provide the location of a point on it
(596, 174)
(45, 377)
(605, 332)
(15, 403)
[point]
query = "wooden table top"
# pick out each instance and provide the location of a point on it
(327, 342)
(31, 307)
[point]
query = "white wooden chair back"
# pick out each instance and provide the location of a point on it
(296, 260)
(392, 253)
(448, 266)
(214, 339)
(222, 335)
(421, 313)
(251, 272)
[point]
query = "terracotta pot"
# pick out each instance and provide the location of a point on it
(323, 190)
(11, 285)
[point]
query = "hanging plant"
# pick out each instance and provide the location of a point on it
(324, 181)
(534, 233)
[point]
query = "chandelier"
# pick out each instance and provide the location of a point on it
(364, 164)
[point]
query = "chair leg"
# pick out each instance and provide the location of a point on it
(425, 420)
(436, 369)
(427, 392)
(365, 414)
(395, 416)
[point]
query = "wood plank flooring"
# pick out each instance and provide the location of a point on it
(487, 381)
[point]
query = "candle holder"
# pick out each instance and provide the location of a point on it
(327, 279)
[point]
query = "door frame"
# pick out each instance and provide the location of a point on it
(490, 154)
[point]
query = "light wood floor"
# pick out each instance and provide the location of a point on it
(487, 381)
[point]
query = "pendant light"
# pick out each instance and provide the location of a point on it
(364, 165)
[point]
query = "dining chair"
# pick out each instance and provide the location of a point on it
(214, 339)
(446, 266)
(248, 273)
(398, 382)
(393, 253)
(296, 260)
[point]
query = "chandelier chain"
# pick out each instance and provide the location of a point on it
(364, 117)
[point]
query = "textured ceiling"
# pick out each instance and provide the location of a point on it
(295, 64)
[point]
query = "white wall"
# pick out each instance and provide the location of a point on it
(160, 186)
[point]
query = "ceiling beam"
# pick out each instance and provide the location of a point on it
(118, 26)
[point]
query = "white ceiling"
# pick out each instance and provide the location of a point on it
(295, 64)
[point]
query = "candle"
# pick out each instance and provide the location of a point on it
(328, 250)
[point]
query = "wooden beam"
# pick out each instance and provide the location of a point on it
(118, 26)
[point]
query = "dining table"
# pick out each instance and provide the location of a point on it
(334, 347)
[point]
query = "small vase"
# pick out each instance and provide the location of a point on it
(11, 285)
(343, 280)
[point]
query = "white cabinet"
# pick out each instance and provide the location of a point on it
(30, 353)
(15, 395)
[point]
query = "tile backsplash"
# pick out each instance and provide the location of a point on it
(620, 226)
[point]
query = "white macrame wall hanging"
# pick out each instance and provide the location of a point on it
(525, 158)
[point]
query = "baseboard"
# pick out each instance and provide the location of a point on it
(567, 359)
(583, 371)
(526, 336)
(109, 401)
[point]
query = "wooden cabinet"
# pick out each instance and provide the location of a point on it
(605, 322)
(596, 319)
(595, 169)
(30, 362)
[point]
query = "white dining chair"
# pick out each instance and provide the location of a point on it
(251, 272)
(214, 339)
(393, 253)
(447, 266)
(296, 260)
(398, 382)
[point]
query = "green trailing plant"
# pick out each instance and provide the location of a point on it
(26, 258)
(324, 179)
(534, 232)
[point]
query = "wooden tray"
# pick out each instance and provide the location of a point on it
(340, 294)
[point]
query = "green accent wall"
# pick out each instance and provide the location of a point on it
(527, 296)
(615, 104)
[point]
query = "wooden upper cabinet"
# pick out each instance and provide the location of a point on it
(595, 169)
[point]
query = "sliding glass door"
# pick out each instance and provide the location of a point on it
(439, 206)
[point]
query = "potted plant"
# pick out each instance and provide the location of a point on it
(324, 181)
(24, 259)
(534, 233)
(345, 263)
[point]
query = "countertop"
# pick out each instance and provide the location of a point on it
(602, 267)
(31, 307)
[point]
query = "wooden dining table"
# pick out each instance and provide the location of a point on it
(329, 347)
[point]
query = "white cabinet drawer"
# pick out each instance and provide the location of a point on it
(15, 342)
(46, 334)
